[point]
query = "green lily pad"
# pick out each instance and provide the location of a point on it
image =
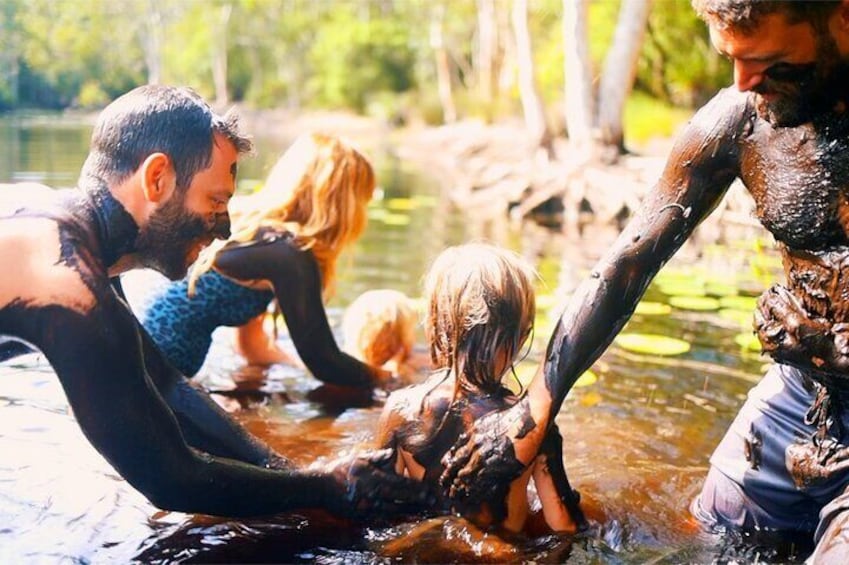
(405, 204)
(391, 219)
(649, 308)
(699, 303)
(748, 341)
(748, 303)
(652, 344)
(682, 288)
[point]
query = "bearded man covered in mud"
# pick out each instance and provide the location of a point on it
(784, 132)
(153, 191)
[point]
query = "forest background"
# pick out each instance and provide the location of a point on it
(429, 61)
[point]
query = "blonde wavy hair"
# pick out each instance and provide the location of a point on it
(380, 325)
(318, 191)
(480, 305)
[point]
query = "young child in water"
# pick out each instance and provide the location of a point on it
(379, 328)
(480, 311)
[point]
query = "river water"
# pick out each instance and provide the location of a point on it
(636, 440)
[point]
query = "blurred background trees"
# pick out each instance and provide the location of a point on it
(430, 61)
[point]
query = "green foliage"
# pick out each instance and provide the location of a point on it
(374, 56)
(355, 54)
(646, 117)
(684, 77)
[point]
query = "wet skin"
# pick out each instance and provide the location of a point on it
(798, 177)
(416, 411)
(166, 438)
(272, 257)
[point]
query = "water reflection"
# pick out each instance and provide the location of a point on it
(636, 442)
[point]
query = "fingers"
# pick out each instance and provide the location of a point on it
(453, 462)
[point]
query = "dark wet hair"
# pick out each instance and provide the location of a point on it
(172, 120)
(745, 15)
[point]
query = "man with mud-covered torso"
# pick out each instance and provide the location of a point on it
(153, 191)
(784, 131)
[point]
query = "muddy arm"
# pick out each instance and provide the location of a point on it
(701, 167)
(98, 357)
(560, 503)
(297, 286)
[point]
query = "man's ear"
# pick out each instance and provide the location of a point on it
(158, 177)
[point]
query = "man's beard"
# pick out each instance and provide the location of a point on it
(171, 232)
(803, 91)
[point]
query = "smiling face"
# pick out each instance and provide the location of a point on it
(191, 218)
(791, 67)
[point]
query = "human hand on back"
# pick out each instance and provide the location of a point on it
(365, 485)
(483, 462)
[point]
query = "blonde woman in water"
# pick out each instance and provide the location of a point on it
(285, 243)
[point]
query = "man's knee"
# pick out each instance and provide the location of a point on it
(721, 503)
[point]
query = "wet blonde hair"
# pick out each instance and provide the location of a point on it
(379, 326)
(317, 191)
(480, 305)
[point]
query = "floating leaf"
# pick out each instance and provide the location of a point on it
(748, 341)
(587, 379)
(747, 303)
(652, 308)
(699, 303)
(682, 288)
(652, 344)
(395, 219)
(405, 204)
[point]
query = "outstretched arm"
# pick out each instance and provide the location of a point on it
(701, 166)
(94, 345)
(297, 286)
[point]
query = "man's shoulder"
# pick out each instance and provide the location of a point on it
(727, 106)
(42, 268)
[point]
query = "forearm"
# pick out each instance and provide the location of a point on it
(207, 427)
(204, 425)
(223, 487)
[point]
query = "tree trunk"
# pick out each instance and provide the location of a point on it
(532, 105)
(578, 73)
(443, 68)
(152, 43)
(487, 45)
(219, 55)
(620, 66)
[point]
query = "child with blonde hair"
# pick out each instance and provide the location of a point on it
(379, 328)
(480, 312)
(286, 239)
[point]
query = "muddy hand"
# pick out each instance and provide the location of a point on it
(483, 463)
(789, 335)
(366, 485)
(810, 465)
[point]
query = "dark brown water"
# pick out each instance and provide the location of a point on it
(636, 441)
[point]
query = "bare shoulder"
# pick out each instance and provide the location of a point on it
(723, 116)
(32, 248)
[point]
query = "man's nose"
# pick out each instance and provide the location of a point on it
(221, 228)
(748, 75)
